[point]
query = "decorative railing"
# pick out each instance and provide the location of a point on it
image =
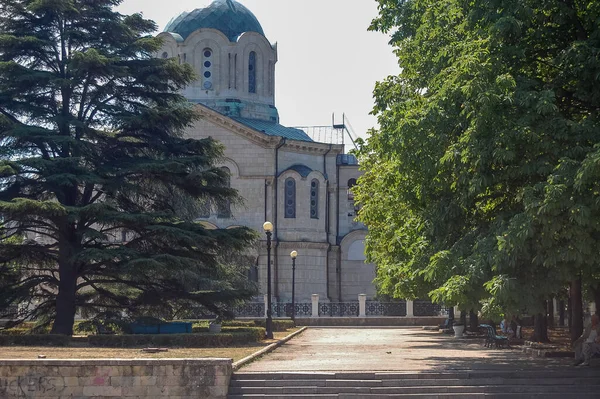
(374, 308)
(302, 309)
(420, 308)
(426, 308)
(250, 309)
(339, 309)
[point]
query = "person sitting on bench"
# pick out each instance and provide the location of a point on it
(588, 344)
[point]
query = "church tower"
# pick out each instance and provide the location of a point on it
(234, 61)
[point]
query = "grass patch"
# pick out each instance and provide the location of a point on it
(78, 350)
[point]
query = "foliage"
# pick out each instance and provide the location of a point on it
(483, 179)
(99, 190)
(35, 340)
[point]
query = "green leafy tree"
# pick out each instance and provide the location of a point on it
(98, 187)
(484, 172)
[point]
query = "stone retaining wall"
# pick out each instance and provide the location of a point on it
(141, 378)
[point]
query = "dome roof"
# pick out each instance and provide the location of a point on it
(227, 16)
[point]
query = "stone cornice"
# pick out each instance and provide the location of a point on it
(259, 138)
(313, 147)
(263, 139)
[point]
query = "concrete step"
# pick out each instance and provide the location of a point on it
(517, 389)
(516, 374)
(428, 396)
(412, 382)
(563, 383)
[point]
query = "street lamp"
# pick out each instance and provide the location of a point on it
(294, 255)
(268, 228)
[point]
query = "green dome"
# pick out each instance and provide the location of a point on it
(227, 16)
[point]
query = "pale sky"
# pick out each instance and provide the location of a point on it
(328, 61)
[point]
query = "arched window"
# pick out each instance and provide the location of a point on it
(314, 199)
(165, 55)
(224, 208)
(252, 72)
(290, 198)
(351, 183)
(207, 74)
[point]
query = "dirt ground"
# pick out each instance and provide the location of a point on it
(559, 337)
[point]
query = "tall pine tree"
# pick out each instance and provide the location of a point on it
(98, 187)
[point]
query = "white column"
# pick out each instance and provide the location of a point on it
(266, 302)
(410, 312)
(362, 305)
(556, 315)
(315, 305)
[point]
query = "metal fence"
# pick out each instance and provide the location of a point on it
(426, 308)
(374, 308)
(339, 309)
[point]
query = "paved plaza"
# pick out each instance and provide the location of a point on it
(392, 349)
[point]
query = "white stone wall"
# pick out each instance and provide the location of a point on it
(229, 64)
(356, 275)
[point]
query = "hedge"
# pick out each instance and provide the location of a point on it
(278, 325)
(35, 340)
(196, 340)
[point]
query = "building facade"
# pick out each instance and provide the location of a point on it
(285, 176)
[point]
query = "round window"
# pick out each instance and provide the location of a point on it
(207, 64)
(207, 74)
(290, 183)
(207, 85)
(313, 184)
(207, 53)
(165, 55)
(313, 203)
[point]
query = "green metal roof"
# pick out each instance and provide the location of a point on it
(227, 16)
(274, 129)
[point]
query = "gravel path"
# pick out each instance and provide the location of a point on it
(391, 349)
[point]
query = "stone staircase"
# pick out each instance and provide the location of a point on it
(567, 383)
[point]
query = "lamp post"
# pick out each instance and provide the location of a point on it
(294, 254)
(268, 228)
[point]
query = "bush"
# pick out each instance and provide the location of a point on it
(239, 323)
(196, 340)
(258, 332)
(35, 340)
(278, 325)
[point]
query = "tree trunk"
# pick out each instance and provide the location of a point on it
(65, 306)
(570, 311)
(561, 313)
(463, 317)
(596, 292)
(577, 310)
(550, 312)
(540, 328)
(67, 286)
(451, 315)
(473, 321)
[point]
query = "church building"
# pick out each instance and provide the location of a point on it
(286, 175)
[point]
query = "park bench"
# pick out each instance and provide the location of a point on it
(492, 338)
